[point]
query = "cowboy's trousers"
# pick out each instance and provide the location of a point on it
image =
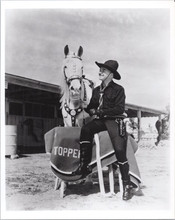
(119, 143)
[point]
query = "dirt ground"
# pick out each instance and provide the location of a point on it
(30, 185)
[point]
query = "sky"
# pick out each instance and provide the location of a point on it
(139, 39)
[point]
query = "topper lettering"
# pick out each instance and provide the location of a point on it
(66, 152)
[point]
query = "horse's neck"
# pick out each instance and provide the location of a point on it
(74, 104)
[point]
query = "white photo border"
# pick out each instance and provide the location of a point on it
(90, 213)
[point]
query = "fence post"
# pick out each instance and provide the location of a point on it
(139, 124)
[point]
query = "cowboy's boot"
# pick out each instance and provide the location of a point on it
(85, 159)
(127, 188)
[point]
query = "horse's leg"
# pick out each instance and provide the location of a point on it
(57, 183)
(62, 189)
(99, 166)
(120, 182)
(111, 179)
(61, 185)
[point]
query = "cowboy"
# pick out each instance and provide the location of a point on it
(158, 126)
(107, 107)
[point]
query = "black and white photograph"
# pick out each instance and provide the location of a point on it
(87, 110)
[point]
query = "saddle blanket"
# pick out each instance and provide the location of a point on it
(63, 144)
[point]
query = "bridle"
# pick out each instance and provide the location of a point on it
(74, 112)
(68, 80)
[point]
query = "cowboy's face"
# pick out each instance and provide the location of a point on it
(104, 73)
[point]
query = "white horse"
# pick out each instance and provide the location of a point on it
(76, 89)
(76, 95)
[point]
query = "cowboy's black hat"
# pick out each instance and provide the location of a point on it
(111, 65)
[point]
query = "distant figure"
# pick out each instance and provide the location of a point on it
(162, 127)
(158, 126)
(165, 128)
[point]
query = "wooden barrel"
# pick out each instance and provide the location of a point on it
(11, 141)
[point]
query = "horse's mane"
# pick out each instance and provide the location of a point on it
(64, 90)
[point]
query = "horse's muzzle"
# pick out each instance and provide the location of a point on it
(75, 96)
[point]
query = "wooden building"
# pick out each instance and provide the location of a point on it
(34, 107)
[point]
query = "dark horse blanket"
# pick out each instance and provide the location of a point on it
(63, 144)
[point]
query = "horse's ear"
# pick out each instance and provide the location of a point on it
(66, 50)
(80, 51)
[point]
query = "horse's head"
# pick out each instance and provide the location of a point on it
(73, 72)
(76, 88)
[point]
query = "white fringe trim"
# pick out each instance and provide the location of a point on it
(58, 169)
(122, 163)
(83, 142)
(135, 176)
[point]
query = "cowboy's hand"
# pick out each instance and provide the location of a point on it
(92, 112)
(99, 113)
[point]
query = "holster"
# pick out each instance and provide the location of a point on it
(121, 126)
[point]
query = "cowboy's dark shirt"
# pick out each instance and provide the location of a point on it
(113, 100)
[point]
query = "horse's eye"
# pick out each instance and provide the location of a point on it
(72, 88)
